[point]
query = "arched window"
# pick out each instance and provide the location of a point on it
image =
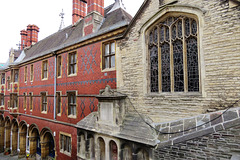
(113, 150)
(174, 57)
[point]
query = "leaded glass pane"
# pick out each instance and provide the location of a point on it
(187, 27)
(112, 61)
(178, 66)
(107, 62)
(170, 21)
(179, 29)
(167, 34)
(161, 34)
(154, 68)
(155, 35)
(194, 27)
(107, 50)
(151, 38)
(192, 65)
(165, 57)
(174, 32)
(112, 48)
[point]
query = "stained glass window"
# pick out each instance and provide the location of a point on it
(165, 57)
(178, 66)
(173, 67)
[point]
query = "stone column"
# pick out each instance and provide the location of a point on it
(7, 140)
(44, 150)
(2, 139)
(33, 147)
(22, 145)
(14, 142)
(107, 151)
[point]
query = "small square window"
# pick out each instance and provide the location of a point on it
(65, 143)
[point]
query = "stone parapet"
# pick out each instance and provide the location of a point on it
(190, 128)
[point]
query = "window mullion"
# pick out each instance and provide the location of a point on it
(159, 62)
(184, 58)
(109, 55)
(171, 60)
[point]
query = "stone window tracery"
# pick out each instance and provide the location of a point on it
(173, 55)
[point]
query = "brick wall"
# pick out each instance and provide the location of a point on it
(87, 82)
(219, 61)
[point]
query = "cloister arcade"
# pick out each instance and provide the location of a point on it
(102, 147)
(22, 139)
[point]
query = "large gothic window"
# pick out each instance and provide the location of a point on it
(173, 52)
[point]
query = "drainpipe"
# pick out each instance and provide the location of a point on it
(55, 85)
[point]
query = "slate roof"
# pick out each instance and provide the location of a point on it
(73, 34)
(133, 128)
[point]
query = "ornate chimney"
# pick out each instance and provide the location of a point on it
(32, 34)
(79, 10)
(95, 5)
(23, 34)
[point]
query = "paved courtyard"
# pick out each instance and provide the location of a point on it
(8, 157)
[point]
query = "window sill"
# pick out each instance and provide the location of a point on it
(72, 75)
(65, 152)
(44, 112)
(59, 77)
(59, 114)
(175, 94)
(44, 79)
(108, 69)
(72, 116)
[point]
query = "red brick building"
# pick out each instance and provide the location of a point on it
(53, 83)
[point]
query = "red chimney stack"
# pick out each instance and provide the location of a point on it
(95, 5)
(32, 37)
(79, 10)
(23, 34)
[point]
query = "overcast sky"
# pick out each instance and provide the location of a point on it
(17, 14)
